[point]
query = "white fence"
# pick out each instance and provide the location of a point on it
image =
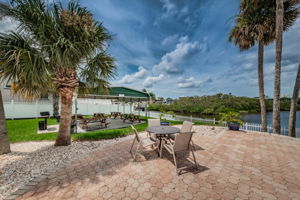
(14, 110)
(26, 109)
(258, 128)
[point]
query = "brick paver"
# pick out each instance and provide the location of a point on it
(236, 165)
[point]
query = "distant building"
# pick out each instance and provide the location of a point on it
(121, 93)
(159, 100)
(169, 101)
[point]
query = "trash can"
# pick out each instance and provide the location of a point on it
(42, 125)
(73, 127)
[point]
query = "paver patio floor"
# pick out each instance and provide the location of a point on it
(236, 165)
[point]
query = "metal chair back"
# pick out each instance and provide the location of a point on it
(153, 122)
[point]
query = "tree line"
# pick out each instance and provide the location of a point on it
(220, 103)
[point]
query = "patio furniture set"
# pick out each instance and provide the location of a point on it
(173, 139)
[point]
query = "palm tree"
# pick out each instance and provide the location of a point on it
(54, 44)
(4, 143)
(55, 98)
(292, 119)
(277, 79)
(255, 24)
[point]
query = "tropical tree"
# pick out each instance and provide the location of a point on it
(277, 78)
(53, 44)
(55, 99)
(255, 24)
(292, 119)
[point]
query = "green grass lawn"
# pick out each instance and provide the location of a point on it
(26, 130)
(20, 130)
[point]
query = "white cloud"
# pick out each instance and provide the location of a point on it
(7, 24)
(172, 61)
(191, 82)
(152, 80)
(169, 40)
(130, 78)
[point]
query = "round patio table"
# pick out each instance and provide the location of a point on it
(162, 131)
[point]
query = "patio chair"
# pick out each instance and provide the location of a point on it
(153, 122)
(142, 142)
(182, 142)
(186, 127)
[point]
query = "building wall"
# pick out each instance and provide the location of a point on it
(8, 95)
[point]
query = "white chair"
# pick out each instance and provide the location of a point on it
(182, 142)
(142, 142)
(153, 122)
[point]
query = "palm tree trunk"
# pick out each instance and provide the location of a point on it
(66, 80)
(55, 104)
(64, 137)
(261, 89)
(276, 100)
(292, 120)
(4, 143)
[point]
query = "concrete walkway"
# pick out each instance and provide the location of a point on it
(235, 165)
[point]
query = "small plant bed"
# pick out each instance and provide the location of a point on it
(233, 120)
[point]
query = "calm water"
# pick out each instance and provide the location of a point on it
(255, 118)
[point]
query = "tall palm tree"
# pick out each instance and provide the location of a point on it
(255, 24)
(277, 79)
(55, 99)
(54, 44)
(292, 119)
(4, 143)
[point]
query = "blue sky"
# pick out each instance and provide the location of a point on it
(180, 48)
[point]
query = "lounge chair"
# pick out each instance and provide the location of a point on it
(142, 142)
(182, 142)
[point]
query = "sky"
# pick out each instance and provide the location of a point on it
(180, 48)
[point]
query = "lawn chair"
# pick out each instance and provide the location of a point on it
(153, 122)
(181, 143)
(144, 143)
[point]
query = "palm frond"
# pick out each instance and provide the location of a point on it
(256, 21)
(22, 63)
(97, 71)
